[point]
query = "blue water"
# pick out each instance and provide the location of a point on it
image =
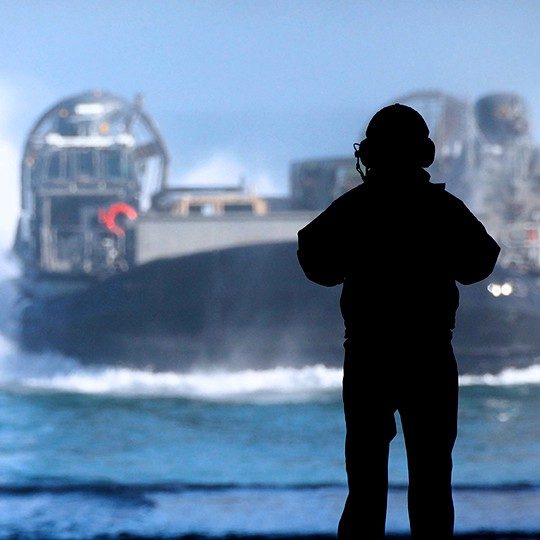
(89, 451)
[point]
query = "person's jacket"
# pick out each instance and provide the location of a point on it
(398, 247)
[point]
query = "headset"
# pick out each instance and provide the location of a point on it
(419, 148)
(358, 157)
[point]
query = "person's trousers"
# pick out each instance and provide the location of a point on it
(419, 380)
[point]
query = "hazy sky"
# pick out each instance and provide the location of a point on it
(244, 87)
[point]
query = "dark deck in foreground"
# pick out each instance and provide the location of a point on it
(487, 535)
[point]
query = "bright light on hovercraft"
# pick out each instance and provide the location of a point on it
(506, 289)
(494, 289)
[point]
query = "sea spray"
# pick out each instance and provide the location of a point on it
(507, 377)
(49, 372)
(281, 384)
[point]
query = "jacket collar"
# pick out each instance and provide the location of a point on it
(404, 177)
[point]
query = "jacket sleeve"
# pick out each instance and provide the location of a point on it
(320, 248)
(475, 251)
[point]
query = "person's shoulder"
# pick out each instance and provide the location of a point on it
(352, 196)
(436, 189)
(455, 205)
(450, 198)
(439, 190)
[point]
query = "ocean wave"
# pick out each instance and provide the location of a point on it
(54, 373)
(507, 377)
(50, 372)
(294, 384)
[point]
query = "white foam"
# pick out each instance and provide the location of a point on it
(507, 377)
(55, 373)
(272, 385)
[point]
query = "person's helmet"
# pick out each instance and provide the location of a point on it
(397, 135)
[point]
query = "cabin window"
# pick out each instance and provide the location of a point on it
(82, 163)
(85, 165)
(238, 207)
(202, 209)
(54, 166)
(66, 127)
(112, 164)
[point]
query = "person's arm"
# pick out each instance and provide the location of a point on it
(320, 251)
(475, 251)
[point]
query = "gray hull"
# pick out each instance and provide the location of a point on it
(251, 307)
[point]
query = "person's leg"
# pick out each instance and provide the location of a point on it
(370, 424)
(428, 411)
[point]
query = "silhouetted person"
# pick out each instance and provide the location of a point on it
(398, 244)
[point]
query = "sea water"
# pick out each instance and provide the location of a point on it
(89, 451)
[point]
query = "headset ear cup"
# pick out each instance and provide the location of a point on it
(427, 153)
(363, 153)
